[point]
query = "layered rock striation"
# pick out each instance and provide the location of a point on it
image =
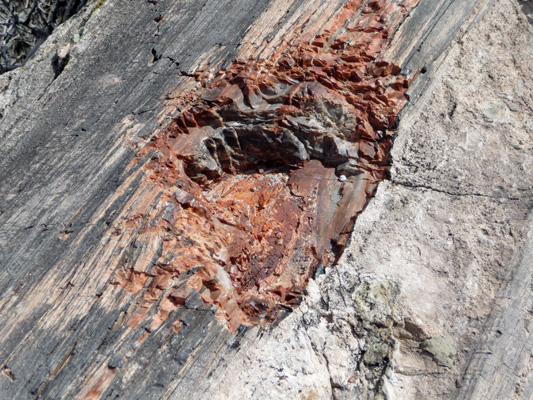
(266, 168)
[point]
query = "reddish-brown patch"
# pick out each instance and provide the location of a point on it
(104, 379)
(265, 170)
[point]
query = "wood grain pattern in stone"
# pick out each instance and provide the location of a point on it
(71, 190)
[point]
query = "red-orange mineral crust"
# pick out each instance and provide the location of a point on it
(270, 164)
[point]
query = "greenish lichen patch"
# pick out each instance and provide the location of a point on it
(442, 350)
(375, 300)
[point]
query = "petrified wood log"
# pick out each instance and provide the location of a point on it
(186, 173)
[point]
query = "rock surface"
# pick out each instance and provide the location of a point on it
(439, 251)
(27, 24)
(265, 168)
(442, 350)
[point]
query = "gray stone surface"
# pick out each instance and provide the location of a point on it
(66, 143)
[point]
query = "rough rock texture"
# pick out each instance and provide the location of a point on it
(265, 170)
(82, 217)
(27, 23)
(439, 252)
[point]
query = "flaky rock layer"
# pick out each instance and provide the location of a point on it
(267, 167)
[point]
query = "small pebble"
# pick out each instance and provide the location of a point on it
(342, 178)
